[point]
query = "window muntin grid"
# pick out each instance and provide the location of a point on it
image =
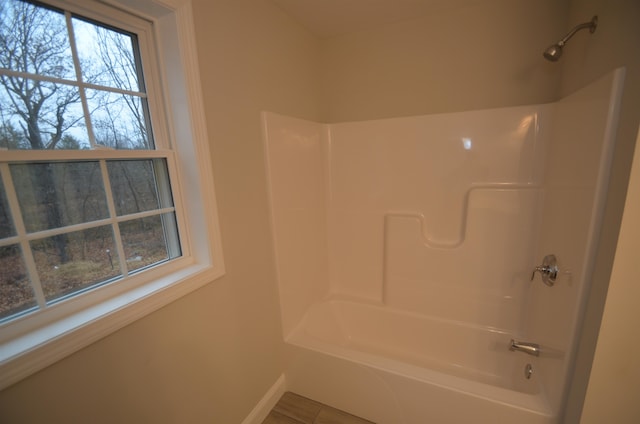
(129, 194)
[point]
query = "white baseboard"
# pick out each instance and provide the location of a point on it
(268, 401)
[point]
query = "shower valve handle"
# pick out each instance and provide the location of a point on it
(548, 270)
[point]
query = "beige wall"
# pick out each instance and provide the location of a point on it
(481, 56)
(210, 356)
(614, 384)
(586, 57)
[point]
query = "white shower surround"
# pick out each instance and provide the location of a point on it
(388, 232)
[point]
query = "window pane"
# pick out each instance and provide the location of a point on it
(107, 56)
(139, 185)
(144, 241)
(40, 115)
(16, 293)
(53, 195)
(118, 120)
(90, 260)
(34, 40)
(6, 223)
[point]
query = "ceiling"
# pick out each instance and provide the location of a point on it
(328, 18)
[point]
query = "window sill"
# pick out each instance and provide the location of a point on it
(31, 352)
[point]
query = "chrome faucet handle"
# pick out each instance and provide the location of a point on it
(548, 270)
(541, 269)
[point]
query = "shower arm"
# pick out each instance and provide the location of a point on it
(591, 25)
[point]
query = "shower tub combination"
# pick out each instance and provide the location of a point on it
(405, 249)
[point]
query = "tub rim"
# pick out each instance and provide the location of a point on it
(531, 402)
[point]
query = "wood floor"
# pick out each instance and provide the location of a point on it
(295, 409)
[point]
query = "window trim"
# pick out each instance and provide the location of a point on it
(31, 351)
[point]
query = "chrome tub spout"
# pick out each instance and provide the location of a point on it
(529, 348)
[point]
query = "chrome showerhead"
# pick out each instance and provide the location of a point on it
(554, 51)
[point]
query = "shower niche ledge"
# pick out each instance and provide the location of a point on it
(480, 276)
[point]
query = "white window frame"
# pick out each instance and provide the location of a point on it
(32, 343)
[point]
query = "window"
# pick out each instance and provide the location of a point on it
(92, 181)
(72, 84)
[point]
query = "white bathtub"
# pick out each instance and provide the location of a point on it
(440, 218)
(394, 367)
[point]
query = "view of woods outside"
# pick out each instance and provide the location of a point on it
(69, 83)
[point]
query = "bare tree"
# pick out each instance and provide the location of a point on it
(123, 70)
(10, 137)
(34, 40)
(40, 108)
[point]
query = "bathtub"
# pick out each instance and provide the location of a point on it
(428, 228)
(397, 367)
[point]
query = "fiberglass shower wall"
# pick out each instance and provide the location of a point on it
(447, 215)
(433, 214)
(577, 167)
(436, 214)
